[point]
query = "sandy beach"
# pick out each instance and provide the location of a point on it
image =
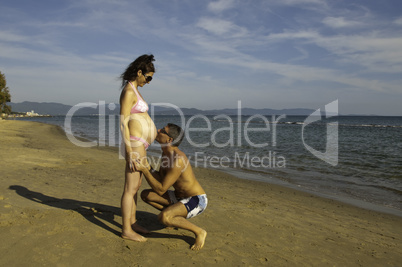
(60, 206)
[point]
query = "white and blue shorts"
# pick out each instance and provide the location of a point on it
(195, 205)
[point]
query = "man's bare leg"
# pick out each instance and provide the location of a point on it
(175, 215)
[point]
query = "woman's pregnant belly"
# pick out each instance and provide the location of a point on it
(141, 125)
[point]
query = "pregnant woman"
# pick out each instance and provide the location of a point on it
(138, 132)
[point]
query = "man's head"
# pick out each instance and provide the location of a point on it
(170, 134)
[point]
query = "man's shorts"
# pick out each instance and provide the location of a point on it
(195, 205)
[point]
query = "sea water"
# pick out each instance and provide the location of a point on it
(367, 170)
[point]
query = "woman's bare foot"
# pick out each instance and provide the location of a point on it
(139, 229)
(199, 240)
(133, 236)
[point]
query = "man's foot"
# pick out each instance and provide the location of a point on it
(133, 236)
(199, 240)
(139, 229)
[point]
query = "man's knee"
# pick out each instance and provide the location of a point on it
(164, 218)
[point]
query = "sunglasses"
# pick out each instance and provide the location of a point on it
(147, 78)
(162, 130)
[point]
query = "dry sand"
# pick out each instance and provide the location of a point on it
(60, 206)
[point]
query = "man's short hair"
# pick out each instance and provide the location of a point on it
(177, 133)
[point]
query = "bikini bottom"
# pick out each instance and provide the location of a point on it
(132, 138)
(146, 144)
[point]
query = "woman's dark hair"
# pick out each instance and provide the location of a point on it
(143, 63)
(176, 133)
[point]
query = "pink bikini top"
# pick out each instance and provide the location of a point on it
(141, 106)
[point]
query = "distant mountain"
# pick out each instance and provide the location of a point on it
(61, 109)
(40, 108)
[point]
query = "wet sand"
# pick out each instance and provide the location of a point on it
(60, 205)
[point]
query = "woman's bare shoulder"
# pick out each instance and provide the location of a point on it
(127, 95)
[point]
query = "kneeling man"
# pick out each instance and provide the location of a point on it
(188, 199)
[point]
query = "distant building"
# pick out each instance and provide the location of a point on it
(32, 113)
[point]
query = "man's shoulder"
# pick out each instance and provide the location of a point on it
(180, 154)
(180, 158)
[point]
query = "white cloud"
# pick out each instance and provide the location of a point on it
(373, 52)
(304, 54)
(6, 36)
(299, 2)
(340, 22)
(302, 73)
(220, 5)
(64, 60)
(221, 27)
(398, 21)
(215, 26)
(292, 35)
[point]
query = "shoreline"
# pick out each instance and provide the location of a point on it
(59, 204)
(249, 175)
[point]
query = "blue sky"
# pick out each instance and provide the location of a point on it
(209, 54)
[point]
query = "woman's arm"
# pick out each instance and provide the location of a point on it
(127, 99)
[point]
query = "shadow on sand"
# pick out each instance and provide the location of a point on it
(98, 214)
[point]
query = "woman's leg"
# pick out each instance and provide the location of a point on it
(134, 205)
(129, 204)
(134, 225)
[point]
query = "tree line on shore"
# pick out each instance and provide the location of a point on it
(5, 96)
